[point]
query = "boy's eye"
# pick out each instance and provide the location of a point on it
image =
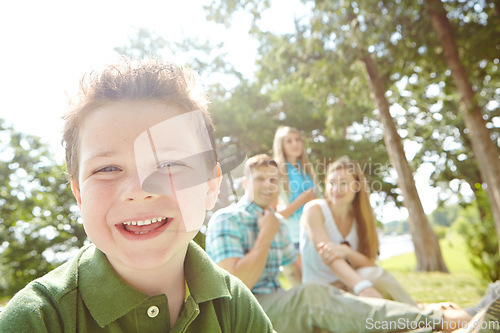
(170, 164)
(107, 169)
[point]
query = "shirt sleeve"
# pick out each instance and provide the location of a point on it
(31, 310)
(224, 237)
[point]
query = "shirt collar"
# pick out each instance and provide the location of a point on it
(249, 205)
(206, 280)
(100, 285)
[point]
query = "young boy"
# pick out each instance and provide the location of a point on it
(141, 160)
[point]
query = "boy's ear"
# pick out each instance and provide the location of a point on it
(76, 192)
(213, 189)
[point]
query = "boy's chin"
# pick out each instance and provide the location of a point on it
(145, 258)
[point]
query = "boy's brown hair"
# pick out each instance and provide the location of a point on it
(151, 79)
(258, 161)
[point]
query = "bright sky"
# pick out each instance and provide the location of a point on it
(48, 45)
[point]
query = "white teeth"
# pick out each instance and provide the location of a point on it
(145, 222)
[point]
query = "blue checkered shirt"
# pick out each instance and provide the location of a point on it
(232, 232)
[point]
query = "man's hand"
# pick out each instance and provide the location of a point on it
(269, 223)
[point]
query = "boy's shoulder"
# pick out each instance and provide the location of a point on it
(40, 301)
(63, 279)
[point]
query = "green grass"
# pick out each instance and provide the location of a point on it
(4, 300)
(463, 285)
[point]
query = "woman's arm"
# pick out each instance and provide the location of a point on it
(357, 259)
(334, 255)
(302, 199)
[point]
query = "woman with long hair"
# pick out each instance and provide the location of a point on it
(339, 242)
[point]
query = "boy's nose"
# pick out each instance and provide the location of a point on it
(133, 190)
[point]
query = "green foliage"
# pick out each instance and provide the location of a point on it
(440, 231)
(38, 220)
(480, 236)
(320, 59)
(444, 216)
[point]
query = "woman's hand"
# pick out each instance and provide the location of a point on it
(329, 252)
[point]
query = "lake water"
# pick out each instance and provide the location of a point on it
(391, 246)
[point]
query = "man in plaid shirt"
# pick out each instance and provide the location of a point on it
(251, 241)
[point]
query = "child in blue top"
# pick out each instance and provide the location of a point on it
(297, 178)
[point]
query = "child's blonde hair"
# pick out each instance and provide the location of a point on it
(151, 79)
(280, 158)
(363, 212)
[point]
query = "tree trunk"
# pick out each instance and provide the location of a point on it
(484, 149)
(427, 250)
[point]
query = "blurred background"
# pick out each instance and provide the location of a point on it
(378, 81)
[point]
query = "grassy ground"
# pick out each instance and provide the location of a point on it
(462, 285)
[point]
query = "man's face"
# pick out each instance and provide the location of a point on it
(262, 187)
(138, 227)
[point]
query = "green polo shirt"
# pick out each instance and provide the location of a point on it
(86, 295)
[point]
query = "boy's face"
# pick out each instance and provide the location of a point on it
(262, 187)
(121, 144)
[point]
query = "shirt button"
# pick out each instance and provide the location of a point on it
(153, 311)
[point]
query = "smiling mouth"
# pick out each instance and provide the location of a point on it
(145, 226)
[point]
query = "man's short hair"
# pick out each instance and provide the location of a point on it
(258, 161)
(145, 80)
